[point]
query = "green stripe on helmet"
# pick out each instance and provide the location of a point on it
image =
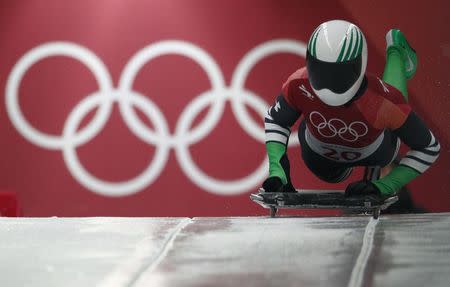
(309, 44)
(341, 54)
(311, 40)
(315, 43)
(358, 43)
(361, 44)
(350, 47)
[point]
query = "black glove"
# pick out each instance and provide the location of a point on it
(362, 187)
(274, 184)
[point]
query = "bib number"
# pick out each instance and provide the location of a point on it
(337, 155)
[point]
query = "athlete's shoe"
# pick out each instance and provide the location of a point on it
(395, 39)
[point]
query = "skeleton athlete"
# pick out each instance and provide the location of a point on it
(350, 118)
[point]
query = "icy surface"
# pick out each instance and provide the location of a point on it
(77, 252)
(407, 250)
(412, 251)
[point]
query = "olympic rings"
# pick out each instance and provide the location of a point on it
(128, 100)
(340, 128)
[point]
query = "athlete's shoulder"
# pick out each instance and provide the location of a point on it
(296, 83)
(298, 76)
(385, 91)
(385, 104)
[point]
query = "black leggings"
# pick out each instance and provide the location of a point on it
(331, 171)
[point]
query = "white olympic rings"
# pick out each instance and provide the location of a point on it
(347, 133)
(128, 99)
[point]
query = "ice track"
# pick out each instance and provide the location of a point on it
(396, 250)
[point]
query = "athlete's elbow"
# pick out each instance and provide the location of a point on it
(433, 150)
(438, 152)
(437, 146)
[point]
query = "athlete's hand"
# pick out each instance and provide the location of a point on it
(362, 187)
(274, 184)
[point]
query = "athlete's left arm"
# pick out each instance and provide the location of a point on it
(424, 150)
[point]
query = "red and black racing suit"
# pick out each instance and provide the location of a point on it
(364, 132)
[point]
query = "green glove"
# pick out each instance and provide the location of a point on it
(395, 180)
(275, 151)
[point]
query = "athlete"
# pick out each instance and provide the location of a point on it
(350, 117)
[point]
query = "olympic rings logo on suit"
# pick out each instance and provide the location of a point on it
(128, 100)
(347, 133)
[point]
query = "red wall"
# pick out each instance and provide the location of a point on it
(114, 31)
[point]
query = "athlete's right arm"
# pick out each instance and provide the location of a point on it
(278, 121)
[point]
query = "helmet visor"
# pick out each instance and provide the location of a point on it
(338, 77)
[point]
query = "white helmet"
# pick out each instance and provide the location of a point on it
(336, 61)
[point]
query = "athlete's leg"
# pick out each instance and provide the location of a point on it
(401, 61)
(401, 65)
(394, 73)
(325, 169)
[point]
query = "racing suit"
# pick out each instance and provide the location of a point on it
(364, 132)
